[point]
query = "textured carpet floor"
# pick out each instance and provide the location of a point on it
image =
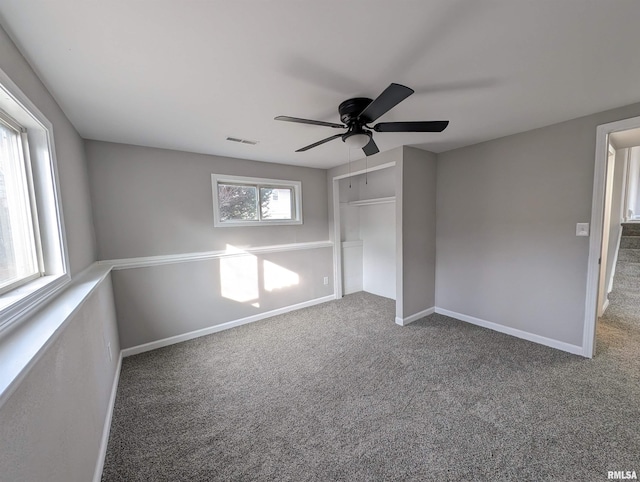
(339, 392)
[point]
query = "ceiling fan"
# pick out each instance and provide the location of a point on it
(356, 115)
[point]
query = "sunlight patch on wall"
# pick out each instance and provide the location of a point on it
(277, 277)
(239, 276)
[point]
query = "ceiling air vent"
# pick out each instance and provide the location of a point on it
(242, 141)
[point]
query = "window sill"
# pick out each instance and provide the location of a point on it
(23, 343)
(18, 303)
(240, 224)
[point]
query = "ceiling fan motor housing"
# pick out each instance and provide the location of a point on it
(350, 109)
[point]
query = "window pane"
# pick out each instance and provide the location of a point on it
(237, 202)
(17, 247)
(275, 203)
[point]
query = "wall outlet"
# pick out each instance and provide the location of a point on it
(326, 280)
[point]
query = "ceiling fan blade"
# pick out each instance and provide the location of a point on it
(430, 126)
(316, 144)
(309, 121)
(390, 97)
(371, 148)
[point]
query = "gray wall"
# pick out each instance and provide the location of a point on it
(51, 425)
(150, 202)
(506, 213)
(416, 213)
(159, 302)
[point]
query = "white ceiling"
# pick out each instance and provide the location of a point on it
(185, 74)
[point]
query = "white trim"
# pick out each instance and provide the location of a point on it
(367, 202)
(145, 261)
(415, 317)
(351, 244)
(627, 177)
(615, 262)
(28, 298)
(595, 241)
(362, 171)
(223, 326)
(399, 174)
(18, 303)
(525, 335)
(337, 235)
(106, 429)
(605, 305)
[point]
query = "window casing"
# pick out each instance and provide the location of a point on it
(248, 201)
(33, 256)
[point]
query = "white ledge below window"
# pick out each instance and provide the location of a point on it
(23, 342)
(19, 302)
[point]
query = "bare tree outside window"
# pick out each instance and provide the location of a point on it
(237, 202)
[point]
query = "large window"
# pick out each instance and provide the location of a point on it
(33, 260)
(19, 250)
(244, 201)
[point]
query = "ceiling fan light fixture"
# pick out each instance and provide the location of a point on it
(356, 141)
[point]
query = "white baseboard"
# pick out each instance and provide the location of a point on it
(97, 475)
(415, 317)
(559, 345)
(605, 305)
(222, 326)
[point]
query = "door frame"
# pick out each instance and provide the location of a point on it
(603, 283)
(597, 228)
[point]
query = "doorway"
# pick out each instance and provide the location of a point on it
(612, 193)
(365, 257)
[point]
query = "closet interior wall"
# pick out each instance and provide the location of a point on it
(368, 233)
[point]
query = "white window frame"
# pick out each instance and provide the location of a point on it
(258, 182)
(39, 148)
(32, 215)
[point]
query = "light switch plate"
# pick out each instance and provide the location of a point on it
(582, 229)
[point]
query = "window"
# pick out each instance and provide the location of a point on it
(19, 260)
(245, 201)
(33, 258)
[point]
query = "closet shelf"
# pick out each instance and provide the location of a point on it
(378, 200)
(352, 244)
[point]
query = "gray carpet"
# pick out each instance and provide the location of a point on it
(339, 392)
